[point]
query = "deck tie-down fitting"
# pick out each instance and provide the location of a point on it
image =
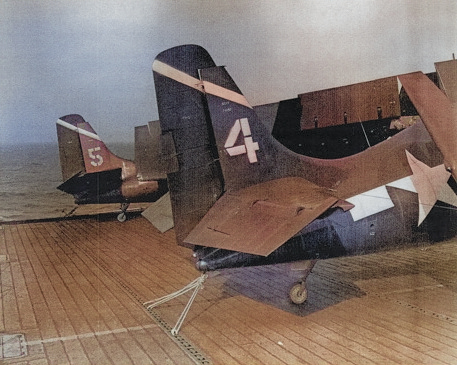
(197, 284)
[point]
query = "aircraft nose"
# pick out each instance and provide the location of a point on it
(201, 265)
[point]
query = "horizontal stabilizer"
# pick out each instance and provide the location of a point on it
(160, 214)
(100, 182)
(260, 218)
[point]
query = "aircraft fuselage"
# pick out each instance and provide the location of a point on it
(337, 234)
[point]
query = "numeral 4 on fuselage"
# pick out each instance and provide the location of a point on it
(249, 147)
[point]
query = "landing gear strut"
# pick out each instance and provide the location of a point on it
(122, 217)
(298, 293)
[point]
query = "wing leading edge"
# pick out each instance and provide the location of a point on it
(438, 114)
(260, 218)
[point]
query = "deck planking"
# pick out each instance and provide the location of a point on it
(74, 288)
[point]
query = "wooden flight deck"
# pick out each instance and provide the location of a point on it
(72, 293)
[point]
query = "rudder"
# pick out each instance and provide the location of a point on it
(183, 114)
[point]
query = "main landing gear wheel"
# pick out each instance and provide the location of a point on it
(298, 293)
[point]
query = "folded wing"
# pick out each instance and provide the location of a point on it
(438, 114)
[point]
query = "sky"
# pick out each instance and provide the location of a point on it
(94, 58)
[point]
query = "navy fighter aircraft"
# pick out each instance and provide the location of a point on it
(241, 198)
(94, 175)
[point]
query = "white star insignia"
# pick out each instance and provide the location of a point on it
(430, 184)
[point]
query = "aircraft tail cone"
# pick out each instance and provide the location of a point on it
(201, 265)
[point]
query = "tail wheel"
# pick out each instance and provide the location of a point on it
(122, 217)
(298, 293)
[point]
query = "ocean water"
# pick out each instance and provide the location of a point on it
(29, 176)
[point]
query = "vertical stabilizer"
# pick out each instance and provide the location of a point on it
(248, 154)
(81, 149)
(183, 114)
